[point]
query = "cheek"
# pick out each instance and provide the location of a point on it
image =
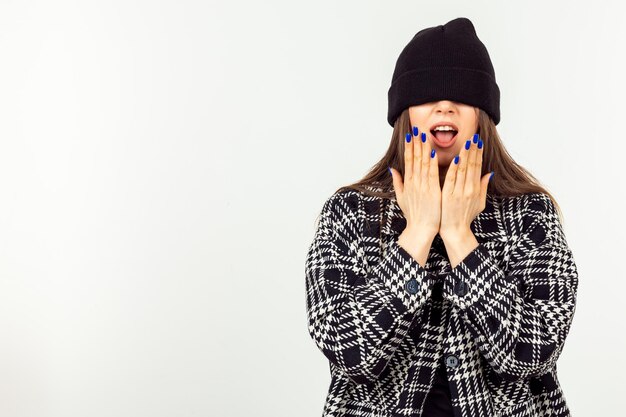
(465, 135)
(419, 122)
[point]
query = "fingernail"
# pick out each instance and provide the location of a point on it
(389, 169)
(475, 137)
(432, 153)
(423, 136)
(467, 144)
(408, 137)
(480, 144)
(415, 131)
(456, 159)
(491, 176)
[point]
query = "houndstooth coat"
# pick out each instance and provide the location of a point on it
(498, 320)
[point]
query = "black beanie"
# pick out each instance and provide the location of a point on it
(445, 62)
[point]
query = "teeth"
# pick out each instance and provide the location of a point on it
(444, 128)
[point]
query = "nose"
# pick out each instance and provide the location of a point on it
(445, 106)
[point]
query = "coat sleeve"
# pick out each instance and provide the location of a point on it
(520, 317)
(358, 318)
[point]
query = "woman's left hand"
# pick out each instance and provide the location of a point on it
(463, 197)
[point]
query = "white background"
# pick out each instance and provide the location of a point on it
(162, 165)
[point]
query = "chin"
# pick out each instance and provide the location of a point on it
(445, 162)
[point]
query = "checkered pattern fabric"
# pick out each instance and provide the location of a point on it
(497, 321)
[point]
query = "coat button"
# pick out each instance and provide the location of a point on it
(412, 286)
(461, 288)
(452, 361)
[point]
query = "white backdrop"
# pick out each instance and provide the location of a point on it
(162, 164)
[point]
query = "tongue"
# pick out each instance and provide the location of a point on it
(444, 136)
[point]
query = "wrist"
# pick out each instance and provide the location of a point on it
(417, 243)
(420, 233)
(456, 234)
(458, 245)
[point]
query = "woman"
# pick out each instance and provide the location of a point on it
(439, 290)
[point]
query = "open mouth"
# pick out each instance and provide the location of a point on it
(444, 136)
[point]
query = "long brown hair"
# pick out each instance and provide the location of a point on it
(510, 178)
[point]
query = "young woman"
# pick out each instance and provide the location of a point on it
(446, 288)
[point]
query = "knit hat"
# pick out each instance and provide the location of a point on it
(445, 62)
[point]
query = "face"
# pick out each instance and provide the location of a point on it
(462, 117)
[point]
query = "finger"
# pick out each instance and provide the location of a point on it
(417, 153)
(471, 177)
(426, 157)
(479, 160)
(408, 158)
(462, 168)
(448, 185)
(484, 183)
(398, 186)
(433, 171)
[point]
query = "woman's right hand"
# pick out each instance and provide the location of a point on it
(419, 193)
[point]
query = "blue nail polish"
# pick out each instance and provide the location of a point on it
(467, 144)
(456, 159)
(432, 153)
(480, 144)
(415, 131)
(408, 137)
(475, 137)
(491, 176)
(389, 169)
(423, 136)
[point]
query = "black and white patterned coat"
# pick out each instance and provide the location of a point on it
(498, 320)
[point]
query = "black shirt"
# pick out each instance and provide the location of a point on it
(438, 402)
